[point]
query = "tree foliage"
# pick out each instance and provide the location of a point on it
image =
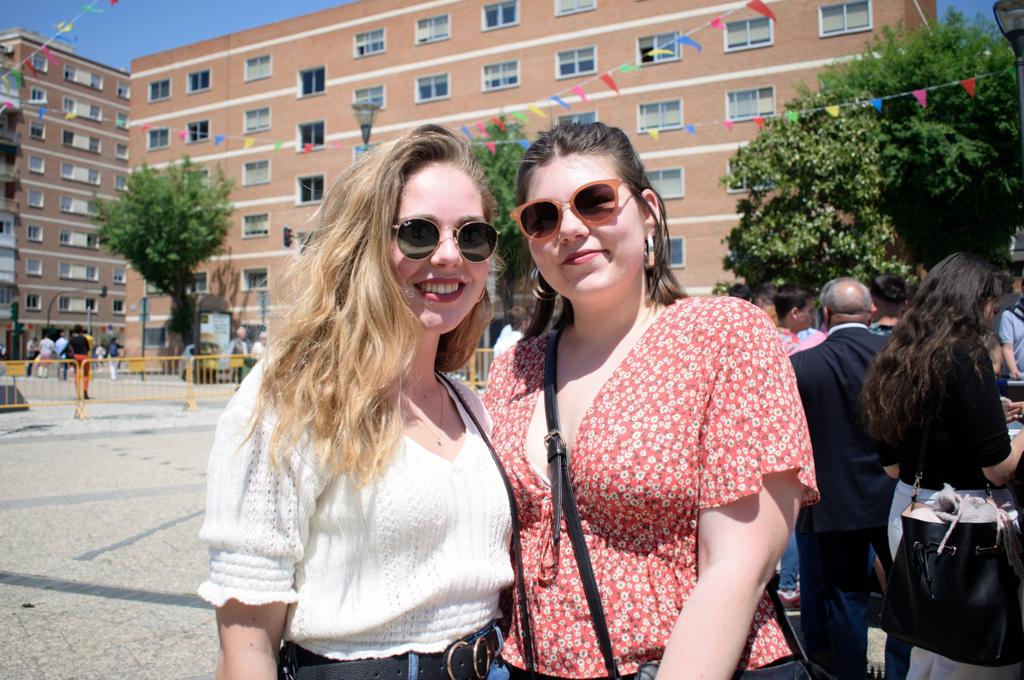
(165, 224)
(812, 211)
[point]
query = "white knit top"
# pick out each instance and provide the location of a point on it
(410, 562)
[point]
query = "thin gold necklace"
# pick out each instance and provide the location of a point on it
(422, 416)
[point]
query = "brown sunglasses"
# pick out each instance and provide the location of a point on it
(593, 203)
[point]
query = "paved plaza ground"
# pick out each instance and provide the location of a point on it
(99, 556)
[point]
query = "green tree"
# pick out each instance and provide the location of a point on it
(165, 224)
(500, 169)
(812, 209)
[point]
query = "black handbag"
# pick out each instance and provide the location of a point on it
(796, 667)
(962, 603)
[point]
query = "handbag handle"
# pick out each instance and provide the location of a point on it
(558, 458)
(931, 409)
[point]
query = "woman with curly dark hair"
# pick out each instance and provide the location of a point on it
(935, 367)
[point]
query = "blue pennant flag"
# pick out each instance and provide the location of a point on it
(218, 140)
(465, 131)
(42, 112)
(524, 143)
(558, 100)
(692, 129)
(687, 40)
(877, 103)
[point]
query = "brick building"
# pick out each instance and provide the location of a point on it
(272, 106)
(63, 140)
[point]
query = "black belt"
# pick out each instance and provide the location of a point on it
(466, 659)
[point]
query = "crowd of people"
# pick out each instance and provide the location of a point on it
(620, 500)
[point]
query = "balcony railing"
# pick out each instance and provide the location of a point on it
(7, 241)
(9, 136)
(7, 172)
(8, 205)
(6, 276)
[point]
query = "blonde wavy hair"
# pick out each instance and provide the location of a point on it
(334, 365)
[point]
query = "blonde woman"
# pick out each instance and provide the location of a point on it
(354, 510)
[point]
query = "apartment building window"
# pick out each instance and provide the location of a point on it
(666, 115)
(37, 96)
(6, 295)
(312, 134)
(199, 283)
(677, 252)
(257, 120)
(124, 90)
(748, 33)
(563, 7)
(117, 307)
(198, 131)
(90, 111)
(79, 173)
(501, 76)
(311, 188)
(312, 81)
(159, 138)
(121, 120)
(581, 117)
(121, 151)
(845, 17)
(501, 14)
(34, 267)
(118, 276)
(662, 41)
(36, 164)
(432, 29)
(74, 206)
(198, 81)
(34, 233)
(39, 63)
(255, 172)
(81, 142)
(576, 62)
(33, 302)
(369, 95)
(747, 104)
(430, 88)
(370, 42)
(254, 279)
(254, 226)
(79, 272)
(70, 304)
(36, 130)
(257, 68)
(35, 198)
(120, 183)
(93, 80)
(160, 90)
(667, 182)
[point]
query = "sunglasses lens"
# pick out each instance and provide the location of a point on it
(477, 241)
(417, 238)
(595, 203)
(540, 219)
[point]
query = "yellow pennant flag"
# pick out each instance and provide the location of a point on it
(536, 109)
(833, 110)
(659, 52)
(65, 26)
(249, 142)
(70, 115)
(654, 133)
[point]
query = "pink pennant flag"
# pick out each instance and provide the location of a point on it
(146, 127)
(718, 23)
(610, 82)
(306, 148)
(5, 105)
(759, 121)
(578, 90)
(969, 85)
(49, 55)
(483, 129)
(922, 97)
(761, 8)
(499, 122)
(338, 145)
(182, 134)
(728, 124)
(492, 147)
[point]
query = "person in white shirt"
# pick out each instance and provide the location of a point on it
(354, 509)
(512, 332)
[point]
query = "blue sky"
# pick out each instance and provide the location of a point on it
(134, 28)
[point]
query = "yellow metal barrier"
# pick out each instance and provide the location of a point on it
(40, 383)
(124, 380)
(479, 368)
(218, 375)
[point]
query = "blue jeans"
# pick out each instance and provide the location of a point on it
(790, 568)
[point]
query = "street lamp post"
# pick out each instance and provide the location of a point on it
(1010, 17)
(365, 111)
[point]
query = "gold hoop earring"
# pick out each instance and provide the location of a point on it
(649, 259)
(542, 290)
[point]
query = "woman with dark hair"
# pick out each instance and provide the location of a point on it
(688, 447)
(935, 368)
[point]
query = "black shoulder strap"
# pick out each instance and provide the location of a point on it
(931, 409)
(517, 549)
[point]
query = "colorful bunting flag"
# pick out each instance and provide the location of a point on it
(877, 103)
(692, 129)
(65, 27)
(728, 124)
(248, 143)
(465, 131)
(306, 148)
(536, 109)
(70, 115)
(90, 8)
(793, 116)
(718, 23)
(218, 140)
(833, 110)
(654, 132)
(5, 105)
(337, 145)
(581, 93)
(49, 55)
(182, 134)
(278, 145)
(521, 116)
(113, 2)
(922, 97)
(42, 112)
(492, 147)
(687, 40)
(761, 8)
(146, 127)
(626, 68)
(659, 52)
(610, 82)
(561, 102)
(16, 74)
(32, 68)
(524, 143)
(969, 85)
(759, 121)
(499, 122)
(483, 129)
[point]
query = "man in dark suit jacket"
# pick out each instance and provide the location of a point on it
(856, 493)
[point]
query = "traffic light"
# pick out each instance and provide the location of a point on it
(286, 236)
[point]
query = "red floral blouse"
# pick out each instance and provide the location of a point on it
(701, 408)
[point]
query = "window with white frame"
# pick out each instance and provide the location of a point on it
(78, 272)
(748, 33)
(257, 68)
(6, 295)
(158, 138)
(577, 62)
(36, 164)
(121, 151)
(74, 206)
(579, 117)
(82, 77)
(845, 17)
(257, 120)
(160, 90)
(33, 302)
(430, 88)
(432, 29)
(662, 41)
(121, 120)
(255, 172)
(747, 104)
(83, 109)
(124, 90)
(501, 14)
(37, 96)
(667, 115)
(80, 173)
(369, 42)
(117, 306)
(76, 304)
(78, 239)
(33, 267)
(81, 142)
(312, 81)
(198, 131)
(254, 279)
(254, 226)
(563, 7)
(34, 233)
(118, 275)
(310, 188)
(668, 182)
(39, 63)
(120, 183)
(677, 252)
(369, 95)
(36, 130)
(501, 76)
(311, 134)
(198, 283)
(198, 81)
(35, 198)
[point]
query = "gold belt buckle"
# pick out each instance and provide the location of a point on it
(451, 652)
(488, 656)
